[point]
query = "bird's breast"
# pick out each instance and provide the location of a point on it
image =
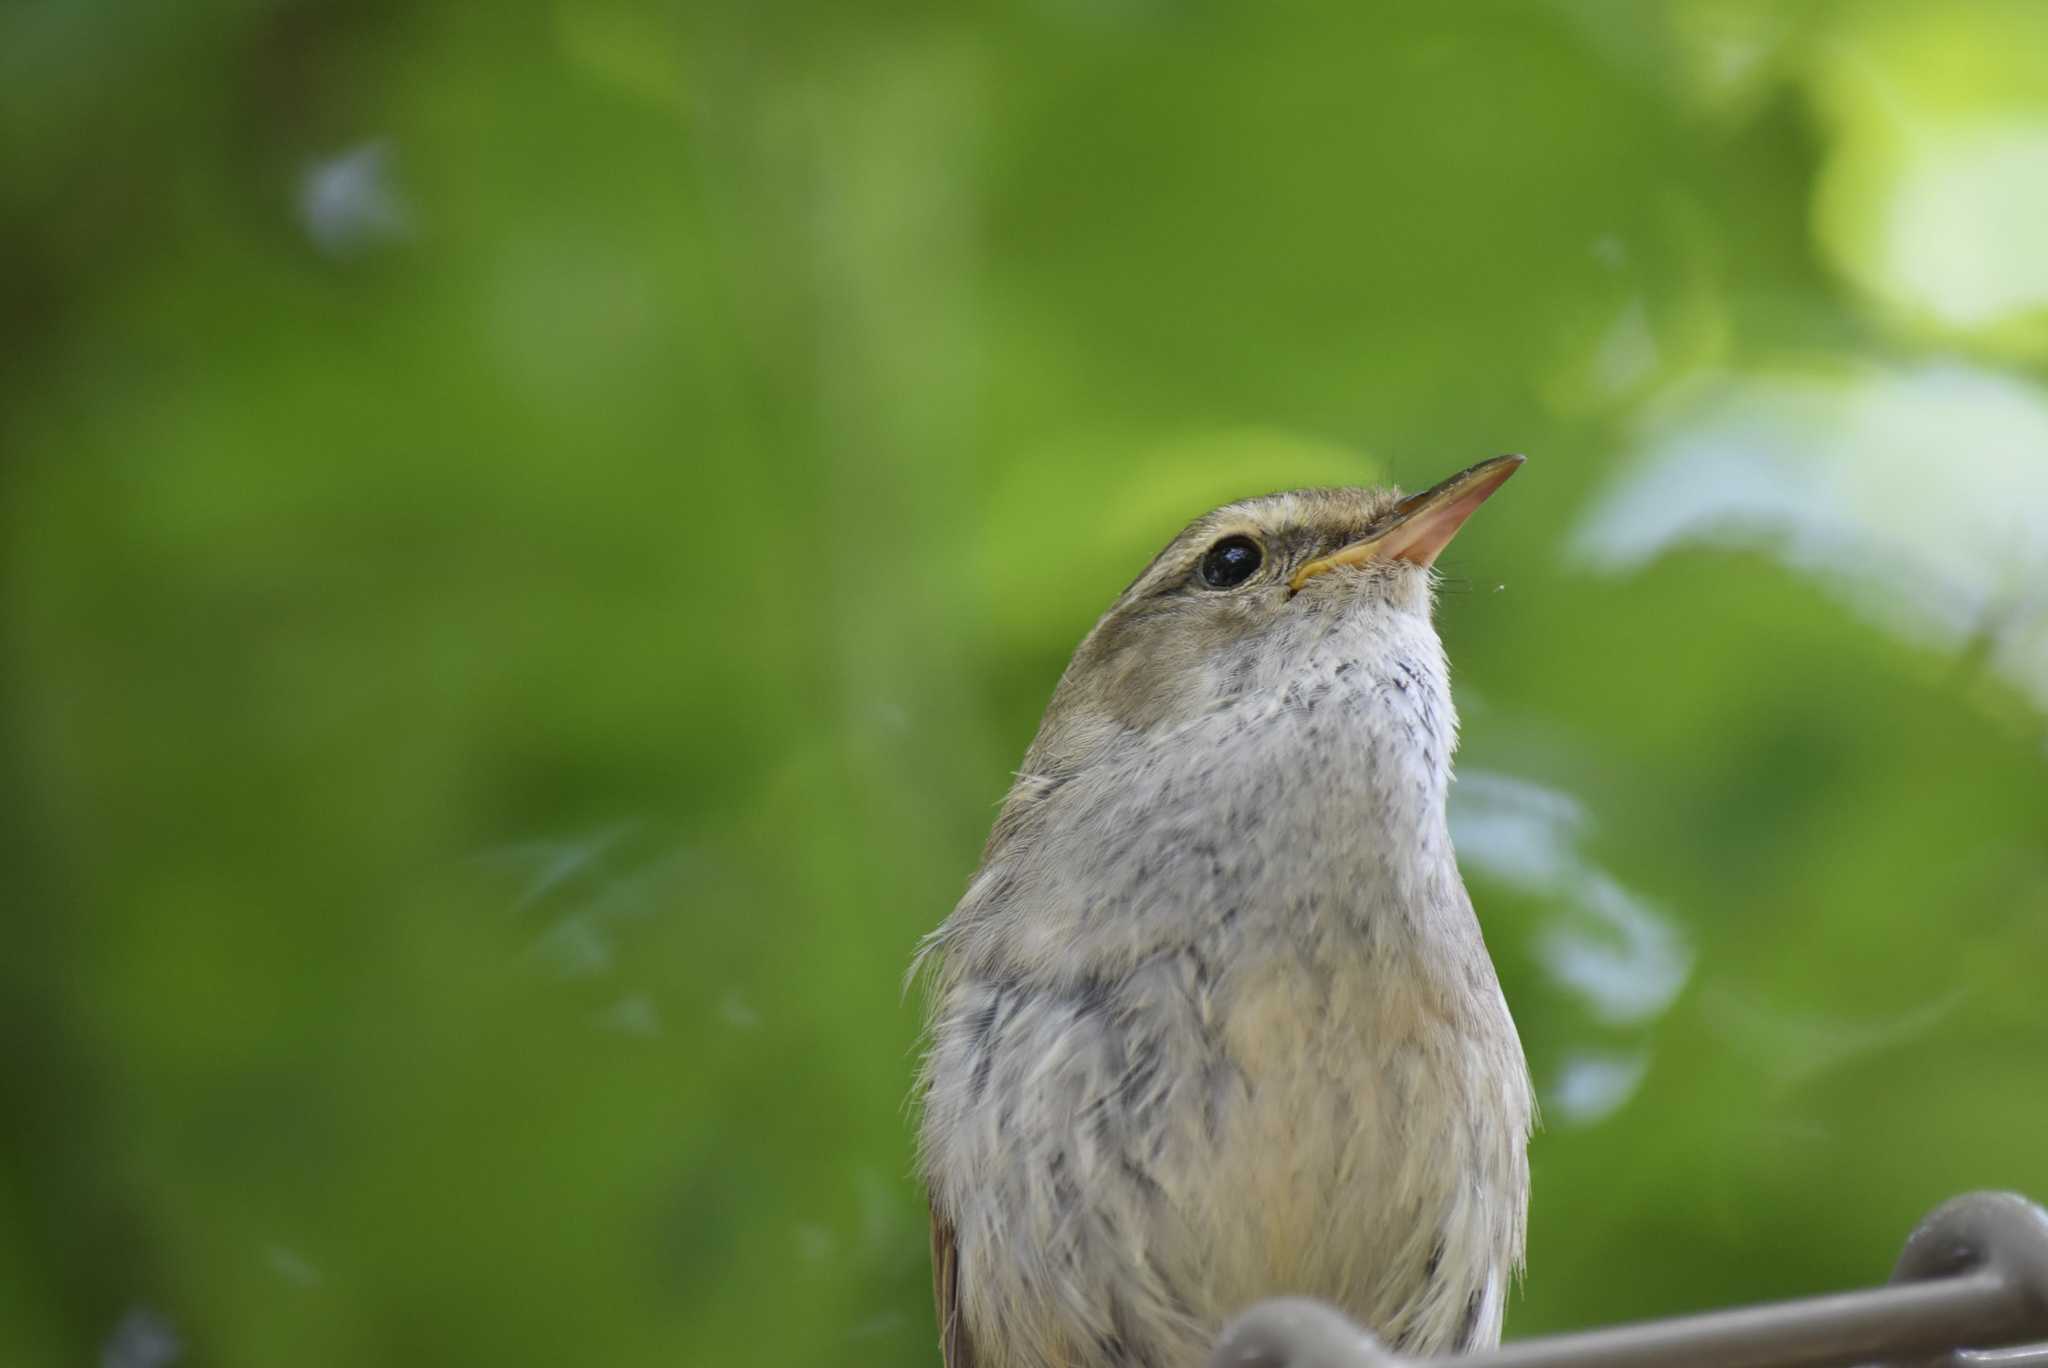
(1218, 1010)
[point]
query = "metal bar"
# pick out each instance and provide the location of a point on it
(1970, 1288)
(1818, 1332)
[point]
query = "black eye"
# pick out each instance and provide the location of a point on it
(1231, 562)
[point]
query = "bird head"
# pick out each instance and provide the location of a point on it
(1245, 598)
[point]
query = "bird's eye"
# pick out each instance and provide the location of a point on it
(1231, 562)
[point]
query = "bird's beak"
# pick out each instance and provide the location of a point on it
(1421, 525)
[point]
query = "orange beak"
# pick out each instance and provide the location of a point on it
(1421, 525)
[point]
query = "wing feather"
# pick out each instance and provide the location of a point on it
(953, 1342)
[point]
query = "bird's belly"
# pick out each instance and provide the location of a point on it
(1169, 1154)
(1359, 1163)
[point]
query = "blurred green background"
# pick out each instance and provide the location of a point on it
(534, 536)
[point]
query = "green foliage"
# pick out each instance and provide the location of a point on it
(534, 535)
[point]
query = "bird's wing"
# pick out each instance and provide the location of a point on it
(946, 1292)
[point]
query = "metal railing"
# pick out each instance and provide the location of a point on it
(1969, 1291)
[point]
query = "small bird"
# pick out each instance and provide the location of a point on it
(1214, 1020)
